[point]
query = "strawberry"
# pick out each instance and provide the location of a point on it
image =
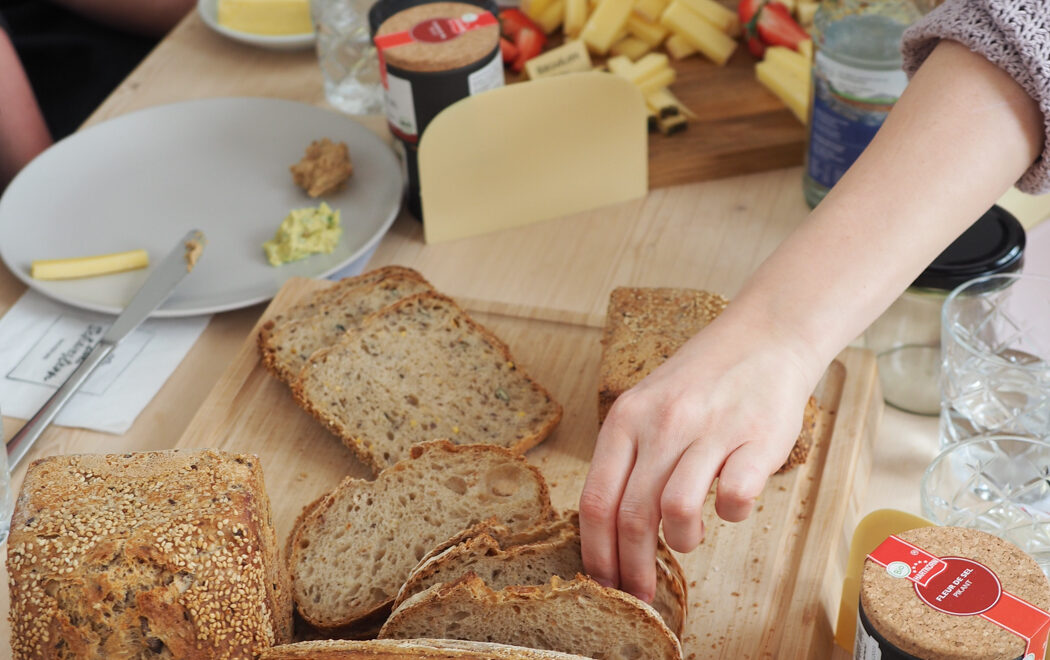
(508, 50)
(756, 47)
(529, 43)
(747, 9)
(513, 21)
(776, 27)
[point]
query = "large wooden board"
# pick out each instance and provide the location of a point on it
(767, 587)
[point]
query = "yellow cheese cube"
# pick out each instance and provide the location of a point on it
(599, 33)
(663, 102)
(805, 11)
(651, 33)
(806, 49)
(714, 13)
(620, 65)
(575, 17)
(570, 57)
(650, 84)
(273, 17)
(552, 17)
(716, 45)
(793, 61)
(631, 47)
(535, 8)
(649, 66)
(650, 10)
(786, 86)
(678, 47)
(103, 264)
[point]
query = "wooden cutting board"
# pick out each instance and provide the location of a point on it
(767, 587)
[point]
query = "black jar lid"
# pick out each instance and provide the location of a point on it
(993, 244)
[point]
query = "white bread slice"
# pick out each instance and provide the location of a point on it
(503, 559)
(408, 649)
(422, 369)
(352, 551)
(577, 616)
(286, 343)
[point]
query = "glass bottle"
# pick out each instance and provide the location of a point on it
(857, 77)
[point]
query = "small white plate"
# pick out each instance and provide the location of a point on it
(209, 13)
(143, 179)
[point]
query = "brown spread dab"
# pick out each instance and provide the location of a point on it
(324, 168)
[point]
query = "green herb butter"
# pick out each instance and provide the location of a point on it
(302, 233)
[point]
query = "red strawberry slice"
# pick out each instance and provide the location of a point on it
(529, 43)
(508, 50)
(513, 21)
(777, 28)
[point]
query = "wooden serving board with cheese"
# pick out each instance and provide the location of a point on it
(767, 587)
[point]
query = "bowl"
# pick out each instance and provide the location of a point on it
(209, 13)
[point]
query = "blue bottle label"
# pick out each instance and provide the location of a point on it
(849, 106)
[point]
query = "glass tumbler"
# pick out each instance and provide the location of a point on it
(995, 351)
(347, 56)
(999, 484)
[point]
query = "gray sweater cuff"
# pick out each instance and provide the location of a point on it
(1012, 34)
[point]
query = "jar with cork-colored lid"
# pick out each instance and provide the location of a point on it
(906, 339)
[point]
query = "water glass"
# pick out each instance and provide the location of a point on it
(347, 56)
(999, 484)
(995, 350)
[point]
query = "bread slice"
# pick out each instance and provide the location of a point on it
(145, 555)
(644, 326)
(285, 344)
(503, 559)
(354, 549)
(575, 616)
(422, 369)
(408, 649)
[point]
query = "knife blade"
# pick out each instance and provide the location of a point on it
(156, 289)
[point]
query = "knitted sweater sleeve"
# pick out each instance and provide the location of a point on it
(1012, 34)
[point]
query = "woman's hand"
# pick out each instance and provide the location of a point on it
(728, 404)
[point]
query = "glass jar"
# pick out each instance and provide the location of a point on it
(857, 77)
(906, 339)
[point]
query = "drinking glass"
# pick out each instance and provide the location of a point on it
(347, 56)
(999, 484)
(995, 344)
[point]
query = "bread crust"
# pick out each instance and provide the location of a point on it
(409, 649)
(589, 599)
(117, 555)
(364, 448)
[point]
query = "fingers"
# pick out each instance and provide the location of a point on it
(682, 501)
(611, 464)
(638, 523)
(742, 479)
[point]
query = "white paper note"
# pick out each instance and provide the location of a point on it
(42, 342)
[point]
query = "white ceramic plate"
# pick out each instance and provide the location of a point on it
(209, 13)
(143, 179)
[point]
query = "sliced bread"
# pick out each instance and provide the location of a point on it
(353, 550)
(503, 559)
(408, 649)
(422, 369)
(286, 344)
(645, 325)
(576, 616)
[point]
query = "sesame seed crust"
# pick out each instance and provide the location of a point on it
(145, 555)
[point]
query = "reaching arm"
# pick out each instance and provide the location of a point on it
(728, 404)
(23, 133)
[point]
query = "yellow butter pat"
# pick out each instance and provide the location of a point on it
(102, 264)
(302, 233)
(272, 17)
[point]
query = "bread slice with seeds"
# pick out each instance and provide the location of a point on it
(502, 558)
(408, 649)
(422, 369)
(145, 555)
(354, 549)
(572, 616)
(286, 343)
(645, 325)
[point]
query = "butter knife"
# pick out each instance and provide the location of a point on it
(158, 286)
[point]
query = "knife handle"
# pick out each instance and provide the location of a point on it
(23, 441)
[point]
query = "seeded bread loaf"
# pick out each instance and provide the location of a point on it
(422, 369)
(353, 550)
(502, 559)
(287, 342)
(408, 649)
(145, 555)
(576, 616)
(645, 326)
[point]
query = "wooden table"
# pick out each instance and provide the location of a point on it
(707, 235)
